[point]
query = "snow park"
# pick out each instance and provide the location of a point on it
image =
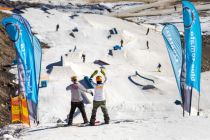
(104, 70)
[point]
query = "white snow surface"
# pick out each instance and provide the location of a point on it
(135, 114)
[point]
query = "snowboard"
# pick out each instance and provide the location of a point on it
(97, 123)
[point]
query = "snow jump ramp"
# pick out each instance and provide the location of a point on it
(72, 57)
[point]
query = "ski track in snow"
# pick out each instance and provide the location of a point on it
(135, 114)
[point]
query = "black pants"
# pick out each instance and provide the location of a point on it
(81, 107)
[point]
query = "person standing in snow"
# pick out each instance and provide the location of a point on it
(99, 98)
(76, 99)
(147, 45)
(57, 27)
(147, 31)
(175, 7)
(121, 42)
(75, 47)
(83, 58)
(158, 67)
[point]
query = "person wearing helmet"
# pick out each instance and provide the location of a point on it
(76, 99)
(99, 98)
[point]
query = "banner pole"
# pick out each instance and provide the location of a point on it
(198, 113)
(190, 100)
(183, 109)
(20, 107)
(28, 113)
(183, 103)
(37, 115)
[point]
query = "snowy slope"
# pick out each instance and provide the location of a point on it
(91, 40)
(134, 113)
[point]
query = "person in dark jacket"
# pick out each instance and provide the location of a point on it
(159, 67)
(83, 58)
(57, 27)
(121, 43)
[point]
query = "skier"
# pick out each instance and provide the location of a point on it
(57, 27)
(147, 31)
(175, 7)
(76, 99)
(121, 43)
(158, 67)
(147, 45)
(83, 58)
(75, 47)
(99, 98)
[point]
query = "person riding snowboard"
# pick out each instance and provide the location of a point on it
(76, 99)
(159, 67)
(99, 98)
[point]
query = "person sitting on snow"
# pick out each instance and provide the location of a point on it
(99, 98)
(76, 99)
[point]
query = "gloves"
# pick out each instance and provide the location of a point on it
(94, 73)
(102, 71)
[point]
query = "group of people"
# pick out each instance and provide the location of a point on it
(99, 98)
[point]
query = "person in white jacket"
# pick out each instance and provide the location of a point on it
(76, 99)
(99, 98)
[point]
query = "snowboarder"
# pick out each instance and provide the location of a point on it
(99, 98)
(158, 67)
(83, 58)
(76, 99)
(75, 47)
(121, 43)
(147, 45)
(57, 27)
(175, 7)
(147, 31)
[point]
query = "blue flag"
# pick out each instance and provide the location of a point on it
(37, 58)
(173, 43)
(25, 23)
(193, 45)
(20, 33)
(36, 46)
